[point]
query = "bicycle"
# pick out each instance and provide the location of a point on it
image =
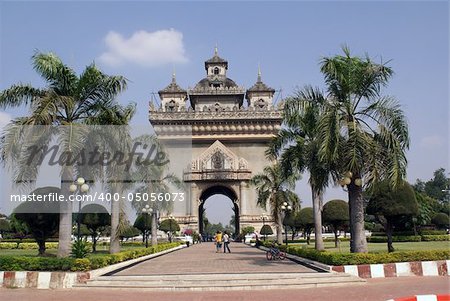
(275, 254)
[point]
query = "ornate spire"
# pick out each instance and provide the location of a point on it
(259, 74)
(174, 78)
(216, 51)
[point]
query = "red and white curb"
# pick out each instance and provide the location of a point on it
(424, 298)
(398, 269)
(42, 280)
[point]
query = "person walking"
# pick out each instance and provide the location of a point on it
(226, 242)
(218, 241)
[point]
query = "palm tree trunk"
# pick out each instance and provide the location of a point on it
(389, 235)
(114, 245)
(41, 244)
(65, 216)
(358, 243)
(279, 228)
(154, 229)
(336, 239)
(317, 209)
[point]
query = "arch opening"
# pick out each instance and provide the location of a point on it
(218, 190)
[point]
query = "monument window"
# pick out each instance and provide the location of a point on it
(171, 106)
(216, 71)
(261, 104)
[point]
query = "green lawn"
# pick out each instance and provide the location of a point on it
(382, 247)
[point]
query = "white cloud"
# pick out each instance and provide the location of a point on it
(431, 141)
(5, 118)
(144, 48)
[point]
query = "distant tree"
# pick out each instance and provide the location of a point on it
(306, 220)
(248, 230)
(84, 231)
(390, 204)
(206, 223)
(293, 221)
(19, 230)
(335, 214)
(144, 224)
(128, 232)
(213, 228)
(427, 206)
(266, 230)
(170, 226)
(441, 220)
(96, 218)
(437, 187)
(5, 227)
(42, 220)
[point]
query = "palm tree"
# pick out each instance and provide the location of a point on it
(274, 188)
(153, 179)
(68, 100)
(298, 146)
(365, 132)
(114, 136)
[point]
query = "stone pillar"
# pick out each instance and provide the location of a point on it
(193, 202)
(243, 198)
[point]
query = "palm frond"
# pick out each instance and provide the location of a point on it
(18, 95)
(62, 79)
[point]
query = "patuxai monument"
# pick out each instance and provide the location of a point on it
(229, 129)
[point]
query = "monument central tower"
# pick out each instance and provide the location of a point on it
(230, 128)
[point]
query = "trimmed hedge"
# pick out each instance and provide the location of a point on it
(16, 240)
(378, 239)
(332, 258)
(303, 240)
(433, 232)
(27, 245)
(23, 263)
(445, 237)
(383, 239)
(368, 258)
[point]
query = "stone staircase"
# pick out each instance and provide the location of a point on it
(223, 282)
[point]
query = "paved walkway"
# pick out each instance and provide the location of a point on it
(202, 258)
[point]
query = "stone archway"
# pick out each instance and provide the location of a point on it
(228, 128)
(214, 190)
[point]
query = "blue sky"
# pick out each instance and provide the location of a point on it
(145, 40)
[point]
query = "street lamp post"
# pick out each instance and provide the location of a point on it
(79, 186)
(264, 217)
(170, 227)
(285, 208)
(146, 211)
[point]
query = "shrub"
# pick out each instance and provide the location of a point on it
(368, 258)
(24, 263)
(436, 237)
(27, 245)
(81, 264)
(441, 220)
(79, 249)
(383, 239)
(433, 232)
(266, 230)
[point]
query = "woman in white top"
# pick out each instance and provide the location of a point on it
(226, 242)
